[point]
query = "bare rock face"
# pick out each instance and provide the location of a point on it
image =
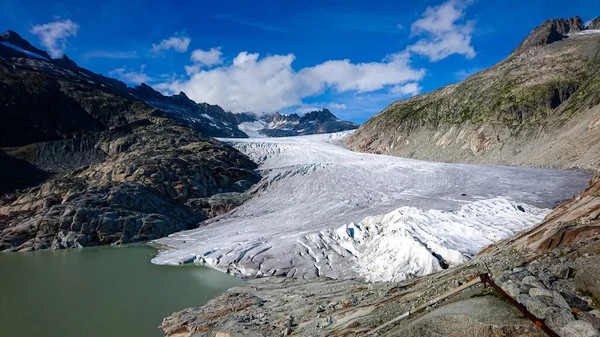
(550, 32)
(595, 24)
(136, 194)
(84, 162)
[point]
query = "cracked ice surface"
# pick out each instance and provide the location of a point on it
(323, 210)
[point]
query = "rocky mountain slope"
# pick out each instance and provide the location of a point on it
(279, 125)
(538, 107)
(83, 162)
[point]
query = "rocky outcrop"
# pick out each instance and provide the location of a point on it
(85, 163)
(146, 187)
(551, 31)
(507, 114)
(209, 119)
(16, 40)
(594, 24)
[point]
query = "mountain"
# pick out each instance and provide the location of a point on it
(209, 119)
(538, 107)
(279, 125)
(85, 162)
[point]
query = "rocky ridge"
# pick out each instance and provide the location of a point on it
(314, 122)
(538, 107)
(83, 163)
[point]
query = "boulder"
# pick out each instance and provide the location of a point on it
(579, 329)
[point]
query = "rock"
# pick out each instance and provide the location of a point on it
(579, 329)
(522, 298)
(594, 24)
(590, 318)
(512, 288)
(560, 301)
(533, 282)
(587, 275)
(560, 271)
(575, 302)
(538, 305)
(540, 292)
(223, 334)
(556, 318)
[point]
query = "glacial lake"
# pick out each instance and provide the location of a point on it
(100, 291)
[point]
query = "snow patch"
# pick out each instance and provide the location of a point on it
(26, 52)
(252, 129)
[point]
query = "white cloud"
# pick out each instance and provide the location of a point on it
(177, 43)
(444, 31)
(131, 76)
(111, 54)
(54, 35)
(408, 89)
(270, 83)
(203, 58)
(343, 75)
(336, 106)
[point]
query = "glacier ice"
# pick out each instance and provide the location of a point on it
(323, 210)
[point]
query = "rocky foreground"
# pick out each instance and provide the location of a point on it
(559, 283)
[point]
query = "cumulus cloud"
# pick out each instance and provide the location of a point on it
(408, 89)
(270, 83)
(54, 35)
(177, 43)
(444, 31)
(203, 58)
(131, 76)
(336, 106)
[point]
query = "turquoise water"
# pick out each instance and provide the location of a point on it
(104, 291)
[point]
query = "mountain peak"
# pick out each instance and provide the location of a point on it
(15, 39)
(594, 24)
(551, 31)
(322, 115)
(65, 62)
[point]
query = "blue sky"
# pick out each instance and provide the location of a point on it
(354, 57)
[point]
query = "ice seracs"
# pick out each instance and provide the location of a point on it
(322, 210)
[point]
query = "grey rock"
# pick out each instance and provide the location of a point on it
(557, 318)
(579, 329)
(540, 292)
(538, 305)
(512, 288)
(523, 298)
(560, 301)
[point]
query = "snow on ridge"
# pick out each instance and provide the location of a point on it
(399, 211)
(252, 129)
(26, 52)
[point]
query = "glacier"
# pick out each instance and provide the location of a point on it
(322, 210)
